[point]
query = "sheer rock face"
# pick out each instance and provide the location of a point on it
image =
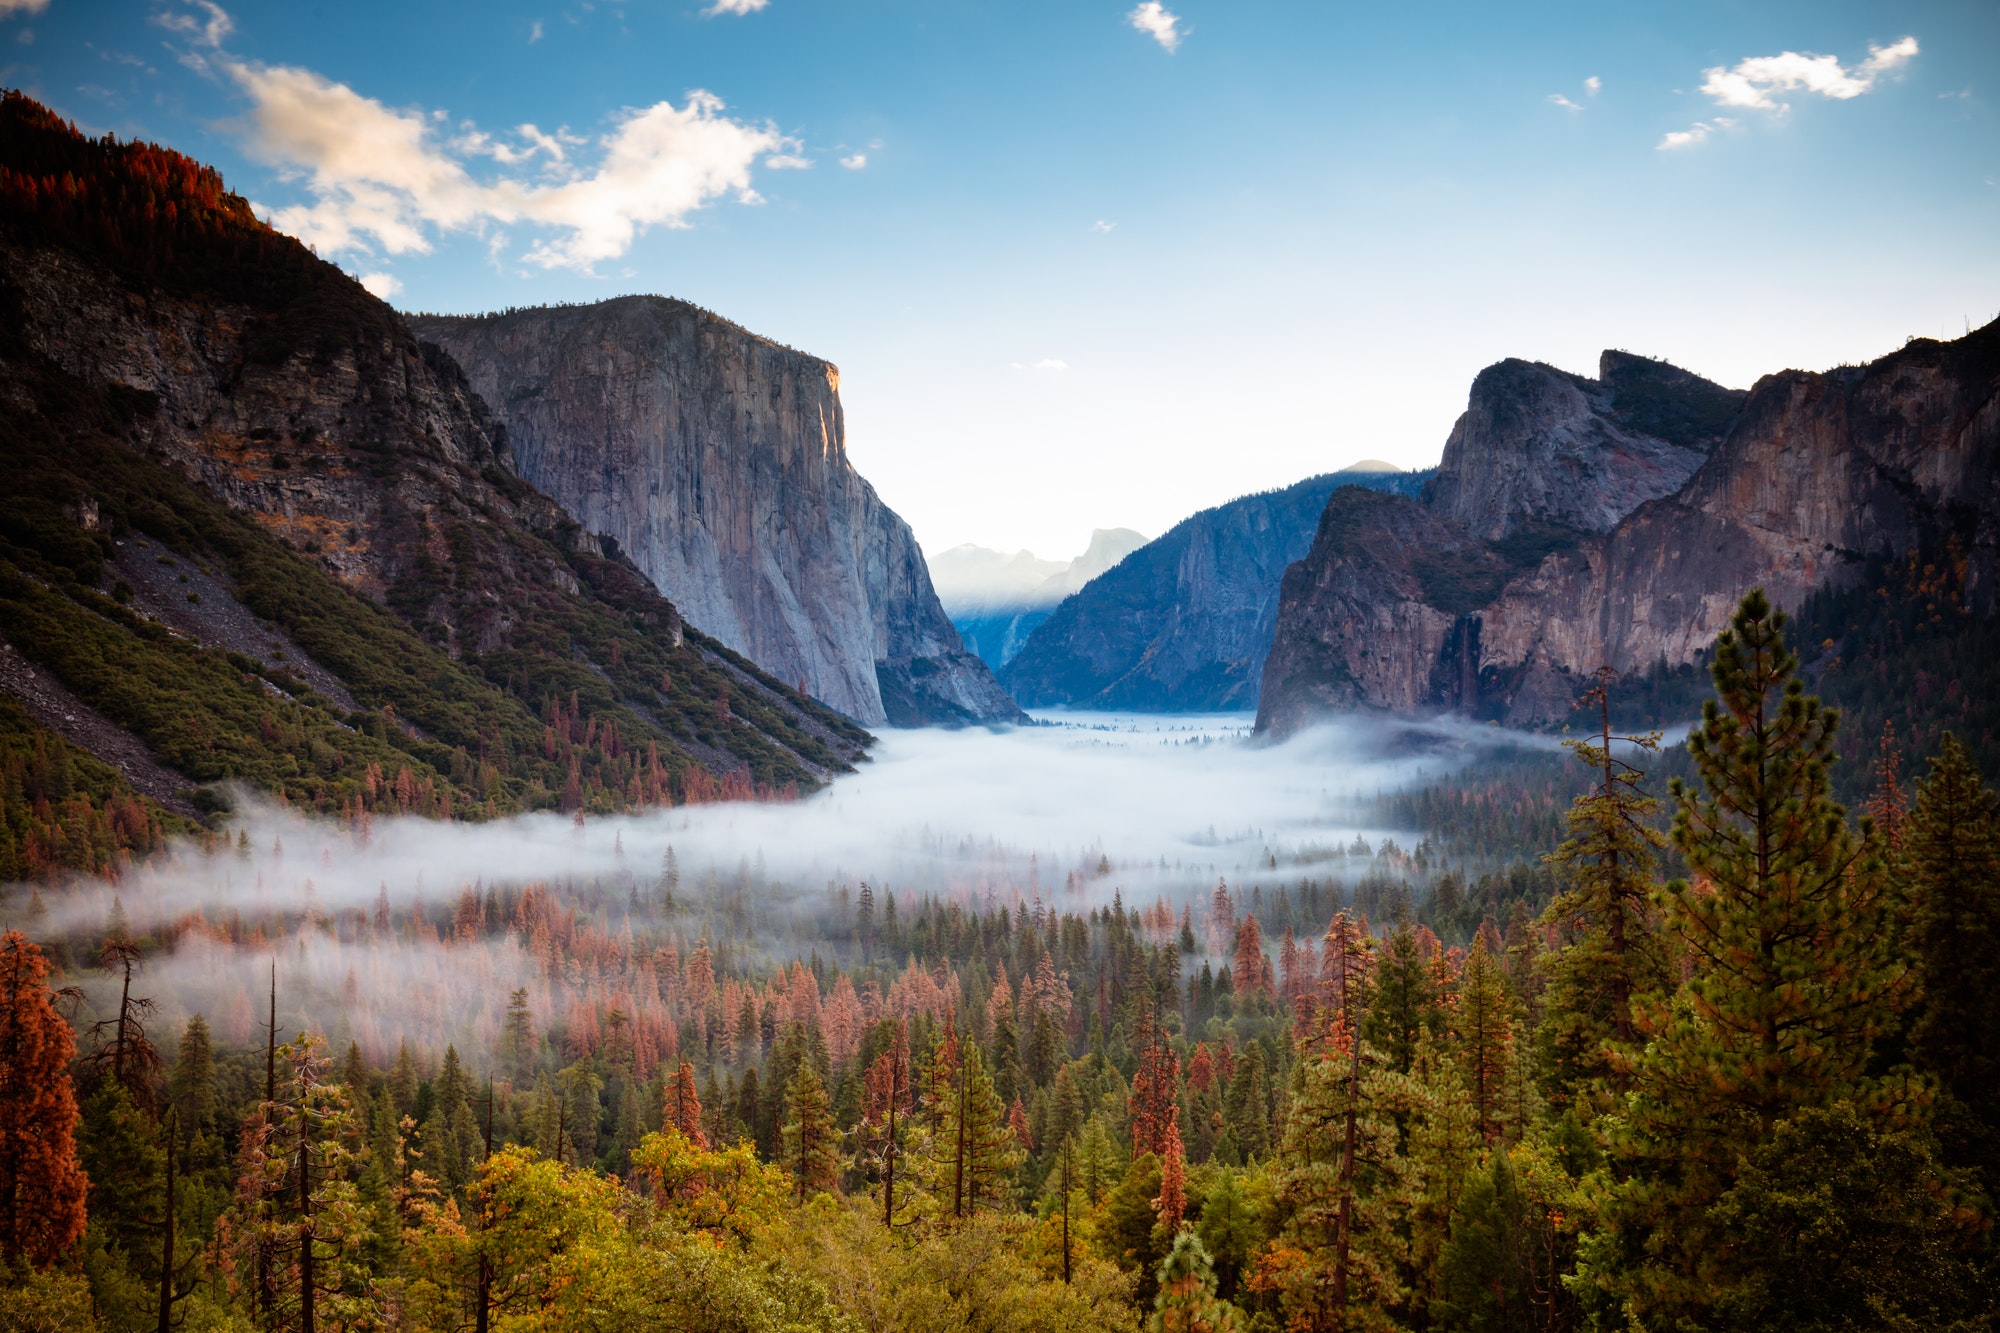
(1817, 472)
(1537, 445)
(717, 460)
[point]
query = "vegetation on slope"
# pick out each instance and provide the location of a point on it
(1608, 1117)
(591, 702)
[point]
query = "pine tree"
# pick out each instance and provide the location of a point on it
(973, 1153)
(1172, 1201)
(1485, 1038)
(1611, 950)
(41, 1184)
(518, 1047)
(191, 1087)
(1793, 977)
(1952, 856)
(1187, 1302)
(683, 1108)
(1404, 1000)
(811, 1150)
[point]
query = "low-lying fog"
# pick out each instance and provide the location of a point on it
(1066, 813)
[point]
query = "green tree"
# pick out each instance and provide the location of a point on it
(1405, 998)
(811, 1147)
(1187, 1302)
(191, 1085)
(1839, 1222)
(1952, 853)
(1129, 1232)
(973, 1151)
(1793, 972)
(1610, 948)
(1483, 1026)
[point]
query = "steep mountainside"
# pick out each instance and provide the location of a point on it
(253, 532)
(995, 609)
(1817, 473)
(718, 462)
(1537, 445)
(1184, 622)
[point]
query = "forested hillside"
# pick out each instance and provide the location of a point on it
(301, 564)
(1736, 1075)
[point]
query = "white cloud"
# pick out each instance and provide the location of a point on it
(1559, 100)
(208, 28)
(854, 161)
(382, 285)
(382, 178)
(1593, 85)
(787, 162)
(734, 7)
(535, 32)
(1101, 227)
(1695, 134)
(1151, 17)
(9, 8)
(1752, 82)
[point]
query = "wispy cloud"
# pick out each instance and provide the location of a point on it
(854, 161)
(388, 179)
(1102, 228)
(1591, 87)
(1756, 84)
(1751, 83)
(787, 162)
(204, 23)
(1152, 18)
(11, 8)
(383, 285)
(534, 32)
(1559, 100)
(721, 7)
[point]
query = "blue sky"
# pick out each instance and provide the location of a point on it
(1085, 265)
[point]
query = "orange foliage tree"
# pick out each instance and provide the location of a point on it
(41, 1185)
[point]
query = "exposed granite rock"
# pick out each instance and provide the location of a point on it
(1537, 445)
(1183, 623)
(1817, 472)
(717, 460)
(996, 600)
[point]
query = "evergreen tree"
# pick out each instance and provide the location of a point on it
(518, 1045)
(1952, 855)
(1247, 1104)
(1404, 999)
(191, 1086)
(683, 1108)
(1610, 949)
(1793, 975)
(1187, 1302)
(402, 1084)
(973, 1153)
(811, 1148)
(1485, 1039)
(41, 1184)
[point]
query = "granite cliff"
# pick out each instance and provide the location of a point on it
(717, 461)
(1183, 623)
(254, 524)
(1492, 594)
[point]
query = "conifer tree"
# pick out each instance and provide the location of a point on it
(1187, 1302)
(191, 1087)
(517, 1037)
(41, 1184)
(683, 1108)
(1793, 976)
(1484, 1032)
(1610, 950)
(1172, 1201)
(811, 1150)
(1404, 998)
(973, 1153)
(1952, 856)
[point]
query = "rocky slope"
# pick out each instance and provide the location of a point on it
(361, 583)
(717, 460)
(1411, 605)
(995, 600)
(1183, 623)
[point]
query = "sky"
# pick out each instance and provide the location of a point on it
(1089, 264)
